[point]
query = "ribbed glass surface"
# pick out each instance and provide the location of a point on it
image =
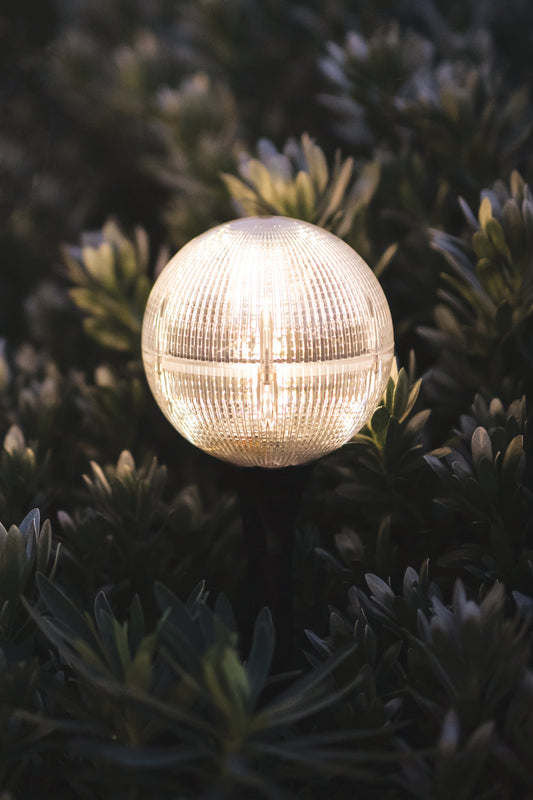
(267, 341)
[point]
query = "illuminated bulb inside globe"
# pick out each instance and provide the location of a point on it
(267, 342)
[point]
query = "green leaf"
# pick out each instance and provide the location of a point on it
(101, 605)
(12, 565)
(224, 612)
(485, 212)
(298, 701)
(137, 758)
(316, 160)
(338, 187)
(517, 184)
(112, 644)
(514, 461)
(417, 423)
(261, 653)
(31, 522)
(381, 591)
(401, 393)
(178, 631)
(305, 196)
(108, 333)
(495, 232)
(44, 547)
(88, 300)
(450, 734)
(380, 422)
(137, 629)
(138, 672)
(385, 259)
(227, 683)
(481, 445)
(70, 621)
(14, 441)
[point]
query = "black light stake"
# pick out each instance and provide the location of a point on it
(270, 504)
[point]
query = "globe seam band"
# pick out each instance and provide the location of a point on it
(304, 367)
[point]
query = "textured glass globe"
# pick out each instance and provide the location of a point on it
(267, 341)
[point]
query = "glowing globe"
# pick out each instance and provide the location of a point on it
(267, 342)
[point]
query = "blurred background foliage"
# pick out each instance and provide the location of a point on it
(129, 664)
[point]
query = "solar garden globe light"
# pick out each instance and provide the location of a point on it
(267, 342)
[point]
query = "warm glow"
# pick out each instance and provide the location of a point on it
(267, 342)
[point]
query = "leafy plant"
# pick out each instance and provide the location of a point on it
(399, 89)
(128, 532)
(113, 407)
(111, 286)
(376, 478)
(483, 327)
(482, 496)
(477, 660)
(461, 667)
(440, 119)
(22, 475)
(178, 705)
(178, 119)
(20, 738)
(297, 183)
(25, 550)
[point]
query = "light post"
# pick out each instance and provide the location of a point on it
(268, 342)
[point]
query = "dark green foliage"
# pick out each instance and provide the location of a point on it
(25, 550)
(21, 475)
(484, 499)
(127, 535)
(382, 486)
(430, 98)
(177, 707)
(437, 114)
(129, 664)
(461, 672)
(484, 328)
